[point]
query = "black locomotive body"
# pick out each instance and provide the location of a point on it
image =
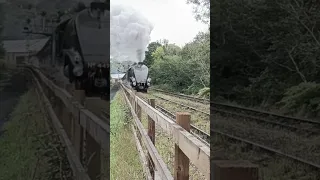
(82, 46)
(137, 77)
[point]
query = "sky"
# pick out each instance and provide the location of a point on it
(172, 19)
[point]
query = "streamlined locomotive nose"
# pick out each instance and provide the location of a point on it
(138, 77)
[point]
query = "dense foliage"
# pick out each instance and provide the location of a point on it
(265, 51)
(178, 69)
(185, 69)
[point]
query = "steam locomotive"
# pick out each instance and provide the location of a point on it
(137, 77)
(81, 46)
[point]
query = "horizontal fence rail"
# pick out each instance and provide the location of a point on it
(164, 173)
(187, 146)
(84, 133)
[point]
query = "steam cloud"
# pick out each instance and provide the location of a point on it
(130, 34)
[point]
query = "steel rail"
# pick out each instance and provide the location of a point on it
(290, 123)
(263, 147)
(201, 135)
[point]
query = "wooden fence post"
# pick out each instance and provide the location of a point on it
(138, 111)
(181, 161)
(151, 133)
(93, 157)
(134, 101)
(78, 130)
(93, 150)
(66, 120)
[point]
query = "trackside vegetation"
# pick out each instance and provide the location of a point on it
(29, 148)
(124, 158)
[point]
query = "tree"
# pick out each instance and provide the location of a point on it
(201, 9)
(183, 69)
(263, 48)
(148, 54)
(172, 49)
(158, 54)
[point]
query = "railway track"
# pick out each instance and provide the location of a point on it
(183, 105)
(303, 126)
(200, 100)
(201, 135)
(206, 137)
(250, 114)
(265, 148)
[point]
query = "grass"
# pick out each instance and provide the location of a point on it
(124, 159)
(20, 153)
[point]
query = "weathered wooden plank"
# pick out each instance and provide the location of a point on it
(99, 129)
(197, 151)
(164, 173)
(96, 105)
(143, 159)
(152, 136)
(73, 159)
(181, 161)
(93, 154)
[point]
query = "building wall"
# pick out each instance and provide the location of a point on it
(9, 59)
(12, 58)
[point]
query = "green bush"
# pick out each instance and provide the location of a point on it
(204, 93)
(304, 94)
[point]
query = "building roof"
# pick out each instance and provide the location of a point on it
(20, 46)
(116, 76)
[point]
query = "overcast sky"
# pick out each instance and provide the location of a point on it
(172, 19)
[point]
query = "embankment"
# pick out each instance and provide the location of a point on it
(124, 158)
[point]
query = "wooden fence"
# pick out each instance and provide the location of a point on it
(78, 121)
(83, 127)
(187, 147)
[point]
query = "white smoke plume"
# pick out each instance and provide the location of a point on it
(129, 34)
